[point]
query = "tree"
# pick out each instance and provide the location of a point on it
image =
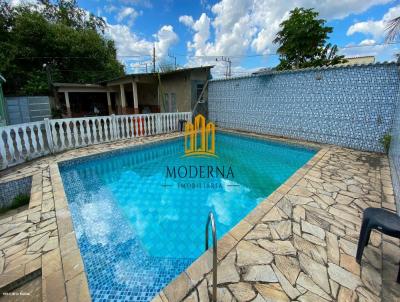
(62, 37)
(393, 29)
(302, 40)
(68, 13)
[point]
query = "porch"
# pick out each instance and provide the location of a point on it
(125, 96)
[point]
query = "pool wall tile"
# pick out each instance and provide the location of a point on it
(394, 156)
(349, 106)
(9, 190)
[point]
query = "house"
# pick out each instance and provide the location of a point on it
(3, 120)
(359, 60)
(172, 91)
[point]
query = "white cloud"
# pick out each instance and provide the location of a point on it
(143, 3)
(187, 20)
(165, 38)
(110, 8)
(127, 42)
(201, 36)
(235, 27)
(382, 52)
(128, 13)
(130, 45)
(376, 29)
(22, 2)
(367, 42)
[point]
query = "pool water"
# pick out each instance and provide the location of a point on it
(138, 227)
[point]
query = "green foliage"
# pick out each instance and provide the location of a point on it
(302, 40)
(68, 13)
(385, 141)
(18, 201)
(60, 36)
(56, 113)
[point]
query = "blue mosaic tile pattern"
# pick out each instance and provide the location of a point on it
(138, 230)
(9, 190)
(394, 155)
(347, 106)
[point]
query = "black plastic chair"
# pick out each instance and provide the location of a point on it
(382, 220)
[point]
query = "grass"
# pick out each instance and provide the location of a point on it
(18, 201)
(385, 141)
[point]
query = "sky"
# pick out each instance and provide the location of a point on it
(207, 32)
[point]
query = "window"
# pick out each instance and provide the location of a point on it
(172, 104)
(166, 102)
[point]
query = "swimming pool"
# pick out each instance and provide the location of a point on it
(139, 214)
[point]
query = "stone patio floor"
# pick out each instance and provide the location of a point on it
(297, 245)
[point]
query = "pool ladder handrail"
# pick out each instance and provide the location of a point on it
(211, 220)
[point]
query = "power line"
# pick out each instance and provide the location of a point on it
(277, 54)
(201, 56)
(227, 60)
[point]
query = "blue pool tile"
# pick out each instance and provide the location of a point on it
(136, 235)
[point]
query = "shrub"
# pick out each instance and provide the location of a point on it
(385, 141)
(18, 201)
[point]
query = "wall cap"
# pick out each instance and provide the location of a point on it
(308, 69)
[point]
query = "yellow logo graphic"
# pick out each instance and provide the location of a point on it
(200, 138)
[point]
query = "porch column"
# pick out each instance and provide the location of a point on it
(67, 104)
(135, 98)
(109, 103)
(123, 99)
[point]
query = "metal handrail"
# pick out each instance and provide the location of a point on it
(214, 235)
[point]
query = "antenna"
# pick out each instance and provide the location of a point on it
(228, 72)
(154, 57)
(172, 56)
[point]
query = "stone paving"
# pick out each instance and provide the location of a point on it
(41, 238)
(300, 243)
(297, 245)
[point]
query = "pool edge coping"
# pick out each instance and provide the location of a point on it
(201, 266)
(78, 286)
(67, 279)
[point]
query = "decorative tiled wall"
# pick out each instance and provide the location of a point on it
(349, 106)
(9, 190)
(394, 156)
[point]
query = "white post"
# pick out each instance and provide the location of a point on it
(135, 98)
(114, 127)
(69, 114)
(49, 135)
(109, 103)
(123, 99)
(158, 123)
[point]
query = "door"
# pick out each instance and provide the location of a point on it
(18, 110)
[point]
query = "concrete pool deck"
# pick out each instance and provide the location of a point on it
(298, 244)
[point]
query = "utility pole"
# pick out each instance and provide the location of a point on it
(228, 71)
(48, 73)
(154, 58)
(172, 56)
(50, 84)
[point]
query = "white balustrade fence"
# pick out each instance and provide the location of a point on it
(23, 142)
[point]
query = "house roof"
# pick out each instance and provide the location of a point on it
(103, 85)
(131, 75)
(359, 57)
(77, 85)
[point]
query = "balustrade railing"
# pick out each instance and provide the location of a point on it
(23, 142)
